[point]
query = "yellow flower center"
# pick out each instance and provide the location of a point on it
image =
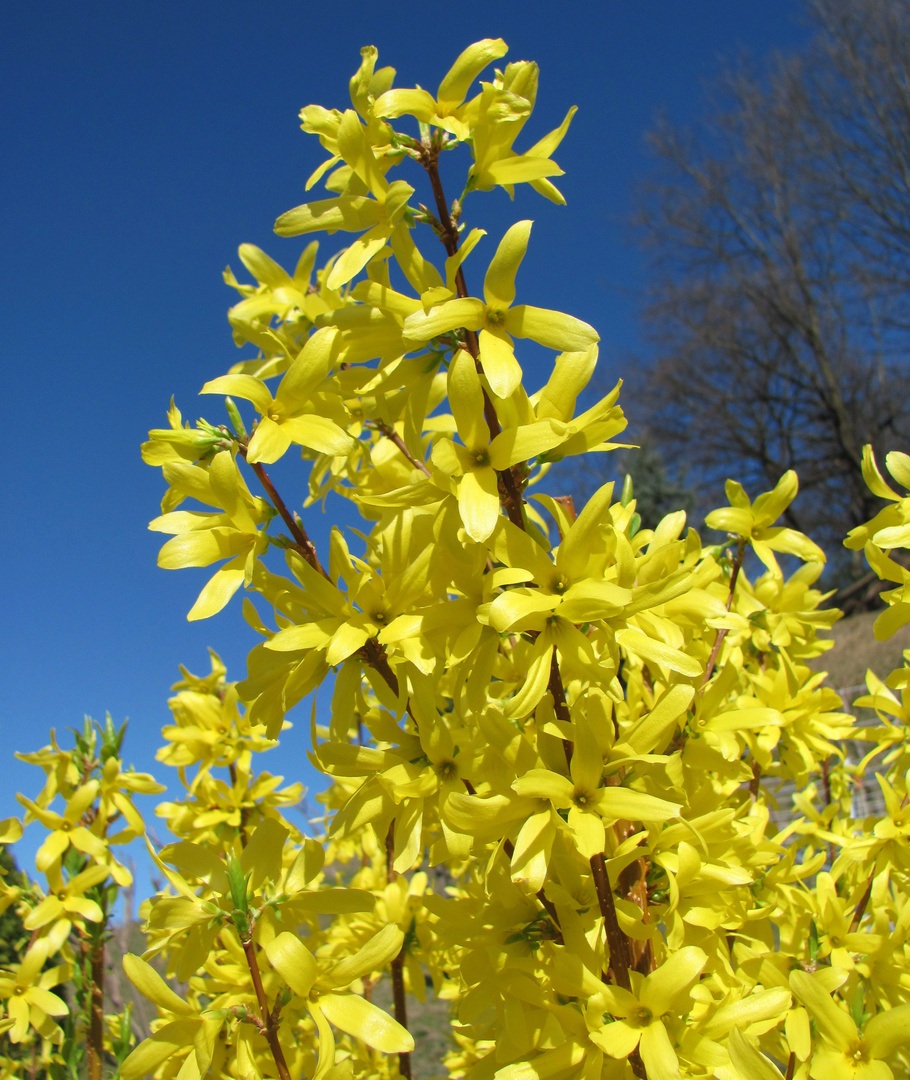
(641, 1017)
(446, 770)
(495, 318)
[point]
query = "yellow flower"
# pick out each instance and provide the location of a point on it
(640, 1014)
(498, 321)
(66, 829)
(754, 522)
(845, 1054)
(358, 1017)
(66, 900)
(29, 1002)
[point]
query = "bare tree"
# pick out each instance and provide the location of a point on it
(780, 243)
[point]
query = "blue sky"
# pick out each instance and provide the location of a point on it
(141, 144)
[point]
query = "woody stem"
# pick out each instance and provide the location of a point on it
(270, 1025)
(303, 545)
(722, 633)
(510, 487)
(398, 993)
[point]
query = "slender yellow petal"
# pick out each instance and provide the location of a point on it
(216, 593)
(747, 1061)
(544, 784)
(261, 858)
(150, 984)
(351, 213)
(617, 1039)
(651, 732)
(421, 327)
(658, 1054)
(658, 652)
(664, 987)
(367, 1022)
(553, 329)
(293, 961)
(499, 283)
(46, 1001)
(888, 1030)
(497, 357)
(478, 503)
(619, 803)
(154, 1051)
(373, 956)
(834, 1023)
(466, 401)
(457, 81)
(534, 686)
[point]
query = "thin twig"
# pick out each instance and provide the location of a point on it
(302, 543)
(862, 905)
(398, 993)
(391, 434)
(560, 707)
(269, 1025)
(547, 903)
(510, 488)
(722, 632)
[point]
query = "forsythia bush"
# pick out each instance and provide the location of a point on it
(555, 738)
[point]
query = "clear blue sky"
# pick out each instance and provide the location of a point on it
(141, 143)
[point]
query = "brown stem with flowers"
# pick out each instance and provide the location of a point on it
(617, 943)
(269, 1019)
(302, 543)
(93, 953)
(722, 632)
(392, 435)
(509, 484)
(398, 993)
(510, 497)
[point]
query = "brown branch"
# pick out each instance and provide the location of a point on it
(862, 905)
(791, 1066)
(509, 485)
(302, 543)
(375, 655)
(391, 434)
(269, 1020)
(617, 942)
(755, 782)
(547, 903)
(95, 957)
(560, 707)
(398, 993)
(722, 633)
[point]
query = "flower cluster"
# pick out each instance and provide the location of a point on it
(555, 740)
